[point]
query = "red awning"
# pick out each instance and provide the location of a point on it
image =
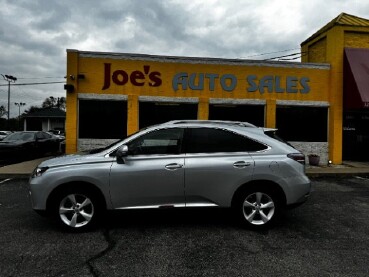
(356, 78)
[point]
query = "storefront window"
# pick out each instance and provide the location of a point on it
(296, 123)
(356, 135)
(246, 113)
(155, 113)
(102, 119)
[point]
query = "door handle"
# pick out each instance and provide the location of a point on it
(241, 164)
(173, 166)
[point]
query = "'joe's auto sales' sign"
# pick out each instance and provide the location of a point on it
(206, 81)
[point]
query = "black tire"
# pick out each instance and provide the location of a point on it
(77, 210)
(258, 208)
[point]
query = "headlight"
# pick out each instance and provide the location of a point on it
(39, 171)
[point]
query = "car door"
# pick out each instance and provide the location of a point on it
(49, 143)
(152, 174)
(40, 143)
(217, 162)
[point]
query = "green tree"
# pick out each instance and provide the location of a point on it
(52, 102)
(32, 109)
(3, 111)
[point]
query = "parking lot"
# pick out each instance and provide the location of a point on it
(325, 237)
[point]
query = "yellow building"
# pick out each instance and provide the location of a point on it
(112, 95)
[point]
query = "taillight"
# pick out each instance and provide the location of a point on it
(298, 157)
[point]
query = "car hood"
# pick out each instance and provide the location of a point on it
(74, 159)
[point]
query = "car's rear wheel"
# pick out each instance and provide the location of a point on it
(77, 210)
(258, 208)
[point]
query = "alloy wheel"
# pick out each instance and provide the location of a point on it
(258, 208)
(76, 210)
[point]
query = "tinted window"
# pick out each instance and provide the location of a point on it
(155, 113)
(208, 140)
(297, 123)
(21, 136)
(273, 134)
(102, 119)
(164, 141)
(43, 136)
(248, 113)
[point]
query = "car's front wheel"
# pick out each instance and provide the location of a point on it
(77, 210)
(258, 208)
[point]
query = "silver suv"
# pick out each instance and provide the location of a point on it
(176, 164)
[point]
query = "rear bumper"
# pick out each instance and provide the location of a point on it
(297, 189)
(299, 202)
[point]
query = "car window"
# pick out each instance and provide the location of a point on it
(211, 140)
(28, 136)
(20, 136)
(273, 134)
(164, 141)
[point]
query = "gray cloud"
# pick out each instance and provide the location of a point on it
(34, 35)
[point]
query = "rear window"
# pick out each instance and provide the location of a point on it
(273, 134)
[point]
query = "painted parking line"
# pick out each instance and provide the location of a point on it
(361, 178)
(6, 180)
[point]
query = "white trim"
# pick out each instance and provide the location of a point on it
(98, 96)
(231, 101)
(302, 103)
(186, 100)
(152, 207)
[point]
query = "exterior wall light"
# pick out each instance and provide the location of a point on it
(69, 88)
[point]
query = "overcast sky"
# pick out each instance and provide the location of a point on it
(34, 34)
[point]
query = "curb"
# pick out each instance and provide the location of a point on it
(337, 174)
(15, 176)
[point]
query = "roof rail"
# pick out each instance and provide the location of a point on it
(224, 122)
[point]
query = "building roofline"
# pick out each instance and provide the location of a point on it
(196, 60)
(343, 19)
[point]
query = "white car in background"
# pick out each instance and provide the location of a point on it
(3, 134)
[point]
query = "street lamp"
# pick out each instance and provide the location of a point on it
(9, 78)
(20, 104)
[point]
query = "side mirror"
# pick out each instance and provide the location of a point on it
(121, 153)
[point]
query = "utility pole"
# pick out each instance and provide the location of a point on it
(20, 104)
(9, 79)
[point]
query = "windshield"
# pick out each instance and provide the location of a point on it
(98, 150)
(21, 136)
(101, 149)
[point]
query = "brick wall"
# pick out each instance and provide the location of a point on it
(89, 144)
(319, 148)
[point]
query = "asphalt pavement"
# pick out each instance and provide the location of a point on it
(346, 169)
(327, 236)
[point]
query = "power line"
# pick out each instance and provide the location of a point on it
(295, 58)
(284, 56)
(281, 51)
(47, 77)
(30, 84)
